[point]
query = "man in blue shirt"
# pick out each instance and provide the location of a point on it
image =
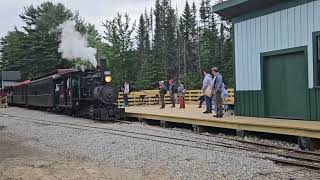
(218, 89)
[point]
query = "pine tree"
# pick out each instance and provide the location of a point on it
(186, 32)
(170, 38)
(118, 34)
(227, 61)
(151, 27)
(11, 48)
(143, 49)
(159, 63)
(141, 37)
(208, 36)
(188, 28)
(148, 29)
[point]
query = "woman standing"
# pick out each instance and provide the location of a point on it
(181, 94)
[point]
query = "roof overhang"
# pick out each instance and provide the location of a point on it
(10, 75)
(235, 8)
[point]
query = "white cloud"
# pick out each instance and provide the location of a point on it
(94, 11)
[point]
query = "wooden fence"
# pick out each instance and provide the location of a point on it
(151, 97)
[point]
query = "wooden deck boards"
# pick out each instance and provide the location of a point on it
(194, 115)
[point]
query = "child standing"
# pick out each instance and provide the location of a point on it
(225, 95)
(181, 94)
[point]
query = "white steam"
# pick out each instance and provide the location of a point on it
(74, 45)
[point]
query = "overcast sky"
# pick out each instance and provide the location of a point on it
(94, 11)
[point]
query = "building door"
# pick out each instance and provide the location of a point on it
(285, 85)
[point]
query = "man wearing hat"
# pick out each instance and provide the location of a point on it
(218, 89)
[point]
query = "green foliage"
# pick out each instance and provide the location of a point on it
(192, 81)
(188, 28)
(34, 51)
(118, 34)
(144, 80)
(166, 46)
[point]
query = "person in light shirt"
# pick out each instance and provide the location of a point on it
(126, 91)
(218, 87)
(207, 90)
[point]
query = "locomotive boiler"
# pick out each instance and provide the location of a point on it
(89, 94)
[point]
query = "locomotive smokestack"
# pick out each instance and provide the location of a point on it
(103, 66)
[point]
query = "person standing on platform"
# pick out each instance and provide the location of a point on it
(207, 90)
(57, 94)
(126, 91)
(181, 94)
(200, 99)
(213, 94)
(172, 91)
(162, 93)
(218, 90)
(225, 96)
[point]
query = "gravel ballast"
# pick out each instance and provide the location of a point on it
(140, 152)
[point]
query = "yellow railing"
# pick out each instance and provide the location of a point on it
(150, 97)
(4, 102)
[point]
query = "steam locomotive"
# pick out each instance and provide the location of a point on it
(88, 94)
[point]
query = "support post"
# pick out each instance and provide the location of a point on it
(164, 124)
(141, 120)
(198, 128)
(240, 133)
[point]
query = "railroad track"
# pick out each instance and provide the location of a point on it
(287, 156)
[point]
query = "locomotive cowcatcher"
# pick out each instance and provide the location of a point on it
(88, 94)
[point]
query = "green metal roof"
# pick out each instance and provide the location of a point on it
(235, 8)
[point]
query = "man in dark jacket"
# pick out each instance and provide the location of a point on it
(218, 89)
(162, 93)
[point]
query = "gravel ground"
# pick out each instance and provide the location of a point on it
(141, 153)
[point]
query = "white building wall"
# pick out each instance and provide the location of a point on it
(284, 29)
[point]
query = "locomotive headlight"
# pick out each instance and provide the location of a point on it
(108, 79)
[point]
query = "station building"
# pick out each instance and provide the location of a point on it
(276, 57)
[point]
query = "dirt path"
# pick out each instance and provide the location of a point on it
(16, 162)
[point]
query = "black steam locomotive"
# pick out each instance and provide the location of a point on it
(87, 94)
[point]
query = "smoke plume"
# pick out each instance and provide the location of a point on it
(74, 45)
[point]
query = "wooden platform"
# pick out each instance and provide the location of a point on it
(193, 115)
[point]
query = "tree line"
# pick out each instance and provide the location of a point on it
(162, 45)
